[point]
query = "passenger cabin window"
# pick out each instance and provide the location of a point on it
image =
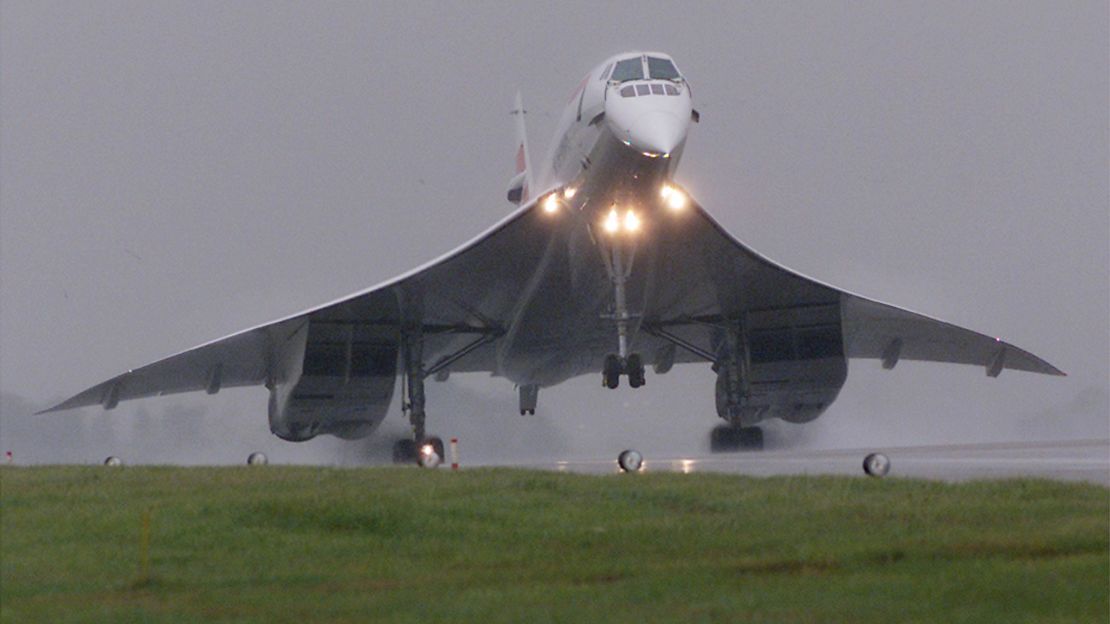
(628, 69)
(661, 69)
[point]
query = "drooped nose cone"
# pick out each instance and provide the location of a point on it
(657, 132)
(654, 124)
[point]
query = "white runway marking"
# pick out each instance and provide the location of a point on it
(1076, 460)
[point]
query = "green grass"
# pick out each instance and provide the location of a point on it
(283, 544)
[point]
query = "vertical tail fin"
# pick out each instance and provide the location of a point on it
(521, 185)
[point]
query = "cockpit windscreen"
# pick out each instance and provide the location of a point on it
(628, 69)
(662, 69)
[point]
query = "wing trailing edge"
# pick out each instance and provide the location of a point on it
(877, 330)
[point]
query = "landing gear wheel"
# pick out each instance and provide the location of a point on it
(635, 369)
(611, 371)
(730, 438)
(724, 439)
(429, 453)
(404, 451)
(751, 439)
(437, 446)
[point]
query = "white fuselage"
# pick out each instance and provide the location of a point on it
(617, 144)
(609, 143)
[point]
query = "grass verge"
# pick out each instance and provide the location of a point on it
(285, 544)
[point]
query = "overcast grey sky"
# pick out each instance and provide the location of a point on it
(171, 172)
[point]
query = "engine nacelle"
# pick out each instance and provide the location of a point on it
(332, 378)
(797, 367)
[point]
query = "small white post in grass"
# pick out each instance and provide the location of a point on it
(454, 453)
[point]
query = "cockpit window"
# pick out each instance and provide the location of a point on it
(628, 69)
(661, 69)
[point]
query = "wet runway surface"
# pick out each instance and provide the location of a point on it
(1078, 460)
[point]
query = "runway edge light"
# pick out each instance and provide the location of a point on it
(876, 465)
(630, 460)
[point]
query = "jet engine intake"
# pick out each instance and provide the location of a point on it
(338, 380)
(795, 370)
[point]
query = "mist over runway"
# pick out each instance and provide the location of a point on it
(1073, 460)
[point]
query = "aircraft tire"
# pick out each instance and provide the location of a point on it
(635, 366)
(611, 372)
(404, 451)
(730, 438)
(437, 445)
(751, 438)
(724, 439)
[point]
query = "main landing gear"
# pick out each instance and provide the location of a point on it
(731, 438)
(423, 449)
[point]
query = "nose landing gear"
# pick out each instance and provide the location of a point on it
(615, 366)
(621, 363)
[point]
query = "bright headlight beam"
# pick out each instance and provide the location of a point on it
(631, 221)
(551, 203)
(676, 199)
(613, 221)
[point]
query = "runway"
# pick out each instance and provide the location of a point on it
(1076, 460)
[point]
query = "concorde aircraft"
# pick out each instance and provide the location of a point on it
(606, 266)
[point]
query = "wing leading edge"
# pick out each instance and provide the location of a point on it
(244, 358)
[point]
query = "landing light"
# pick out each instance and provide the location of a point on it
(569, 192)
(551, 203)
(675, 198)
(614, 223)
(631, 221)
